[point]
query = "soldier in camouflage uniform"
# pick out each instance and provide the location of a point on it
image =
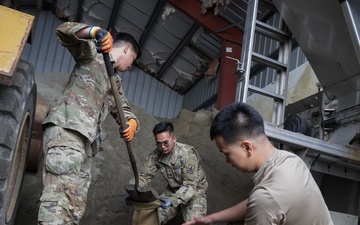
(180, 167)
(72, 129)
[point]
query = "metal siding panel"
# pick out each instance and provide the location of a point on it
(45, 53)
(166, 103)
(37, 40)
(63, 61)
(139, 88)
(210, 44)
(68, 64)
(133, 84)
(125, 84)
(155, 97)
(177, 105)
(302, 57)
(48, 46)
(151, 102)
(200, 93)
(25, 55)
(134, 16)
(46, 39)
(171, 103)
(293, 60)
(158, 99)
(160, 33)
(145, 7)
(175, 111)
(144, 102)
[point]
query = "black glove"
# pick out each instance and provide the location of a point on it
(104, 40)
(127, 200)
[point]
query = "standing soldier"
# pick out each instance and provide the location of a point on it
(179, 166)
(72, 129)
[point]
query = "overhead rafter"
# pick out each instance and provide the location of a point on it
(156, 12)
(202, 54)
(209, 21)
(78, 10)
(114, 11)
(177, 50)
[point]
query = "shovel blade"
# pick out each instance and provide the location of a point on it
(141, 194)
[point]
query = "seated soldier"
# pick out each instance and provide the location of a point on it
(179, 166)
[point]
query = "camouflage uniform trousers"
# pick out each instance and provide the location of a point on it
(66, 177)
(195, 207)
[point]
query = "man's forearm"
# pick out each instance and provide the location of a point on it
(232, 214)
(83, 33)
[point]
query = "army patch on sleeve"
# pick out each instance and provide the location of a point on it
(191, 168)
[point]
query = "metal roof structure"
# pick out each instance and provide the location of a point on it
(176, 49)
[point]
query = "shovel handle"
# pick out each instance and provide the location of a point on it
(110, 71)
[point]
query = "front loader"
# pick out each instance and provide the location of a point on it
(21, 112)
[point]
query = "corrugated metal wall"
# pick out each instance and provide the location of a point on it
(203, 91)
(145, 91)
(47, 55)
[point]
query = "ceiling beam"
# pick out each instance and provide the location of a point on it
(78, 10)
(197, 51)
(113, 15)
(184, 41)
(192, 8)
(154, 15)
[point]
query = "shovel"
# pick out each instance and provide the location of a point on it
(136, 193)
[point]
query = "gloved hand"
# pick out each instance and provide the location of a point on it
(127, 200)
(104, 40)
(165, 203)
(129, 132)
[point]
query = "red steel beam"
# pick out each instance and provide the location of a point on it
(232, 40)
(227, 80)
(192, 8)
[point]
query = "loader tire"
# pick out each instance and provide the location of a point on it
(17, 109)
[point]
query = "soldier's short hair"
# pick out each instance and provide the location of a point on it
(165, 126)
(237, 121)
(128, 38)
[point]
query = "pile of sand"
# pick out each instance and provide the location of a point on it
(112, 168)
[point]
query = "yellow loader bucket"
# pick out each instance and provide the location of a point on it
(15, 28)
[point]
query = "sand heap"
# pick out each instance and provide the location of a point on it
(112, 168)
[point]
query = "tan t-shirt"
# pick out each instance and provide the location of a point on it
(286, 193)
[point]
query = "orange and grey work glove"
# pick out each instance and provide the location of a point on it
(129, 132)
(104, 40)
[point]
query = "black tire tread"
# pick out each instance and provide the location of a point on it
(15, 100)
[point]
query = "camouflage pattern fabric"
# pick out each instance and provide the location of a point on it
(73, 129)
(66, 177)
(187, 184)
(195, 207)
(87, 97)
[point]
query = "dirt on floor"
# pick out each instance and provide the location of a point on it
(112, 169)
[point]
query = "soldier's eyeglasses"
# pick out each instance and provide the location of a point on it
(165, 143)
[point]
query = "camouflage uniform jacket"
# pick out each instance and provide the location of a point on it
(87, 97)
(181, 169)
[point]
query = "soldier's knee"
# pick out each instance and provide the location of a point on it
(63, 160)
